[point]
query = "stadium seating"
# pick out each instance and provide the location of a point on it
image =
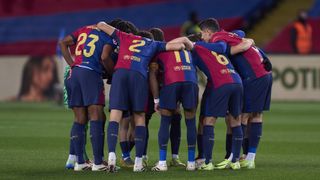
(34, 28)
(281, 43)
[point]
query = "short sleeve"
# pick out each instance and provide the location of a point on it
(117, 35)
(75, 35)
(161, 46)
(108, 40)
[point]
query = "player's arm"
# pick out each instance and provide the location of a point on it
(219, 47)
(64, 44)
(106, 28)
(241, 47)
(188, 44)
(154, 84)
(106, 59)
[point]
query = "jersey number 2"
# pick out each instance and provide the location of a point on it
(91, 44)
(136, 43)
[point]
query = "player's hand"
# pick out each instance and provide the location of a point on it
(156, 105)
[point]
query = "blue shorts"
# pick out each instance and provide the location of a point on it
(257, 94)
(217, 102)
(129, 91)
(184, 92)
(84, 88)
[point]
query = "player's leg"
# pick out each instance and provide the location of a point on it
(130, 137)
(145, 151)
(140, 139)
(175, 138)
(208, 141)
(245, 117)
(118, 102)
(200, 158)
(126, 160)
(235, 108)
(228, 146)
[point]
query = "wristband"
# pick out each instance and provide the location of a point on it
(156, 101)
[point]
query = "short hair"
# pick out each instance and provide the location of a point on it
(145, 34)
(157, 34)
(114, 22)
(194, 37)
(127, 27)
(211, 24)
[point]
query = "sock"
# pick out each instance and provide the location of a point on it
(112, 138)
(131, 145)
(245, 140)
(200, 146)
(237, 138)
(230, 157)
(175, 133)
(251, 156)
(175, 156)
(140, 140)
(146, 143)
(85, 155)
(208, 142)
(78, 141)
(254, 136)
(228, 145)
(125, 150)
(72, 150)
(191, 138)
(97, 138)
(138, 160)
(163, 136)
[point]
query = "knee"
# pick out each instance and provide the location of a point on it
(256, 117)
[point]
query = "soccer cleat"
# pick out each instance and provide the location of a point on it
(82, 167)
(176, 162)
(128, 163)
(235, 165)
(199, 162)
(247, 164)
(137, 168)
(191, 166)
(223, 165)
(100, 167)
(159, 167)
(206, 167)
(70, 163)
(145, 161)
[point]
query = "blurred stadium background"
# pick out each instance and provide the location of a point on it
(31, 70)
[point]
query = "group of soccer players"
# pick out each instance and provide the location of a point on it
(150, 75)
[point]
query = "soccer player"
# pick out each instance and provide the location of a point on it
(129, 86)
(254, 69)
(86, 90)
(223, 93)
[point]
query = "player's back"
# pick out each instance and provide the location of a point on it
(136, 52)
(217, 67)
(89, 46)
(177, 66)
(249, 63)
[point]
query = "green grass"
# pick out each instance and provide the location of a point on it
(34, 145)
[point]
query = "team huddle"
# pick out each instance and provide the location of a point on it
(149, 75)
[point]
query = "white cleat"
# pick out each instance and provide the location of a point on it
(71, 162)
(112, 163)
(139, 168)
(158, 167)
(199, 162)
(82, 167)
(191, 166)
(100, 167)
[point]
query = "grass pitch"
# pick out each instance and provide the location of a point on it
(34, 145)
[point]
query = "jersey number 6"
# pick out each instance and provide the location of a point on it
(220, 58)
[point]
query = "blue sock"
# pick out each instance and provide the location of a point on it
(191, 138)
(97, 138)
(175, 133)
(237, 138)
(208, 142)
(200, 146)
(228, 145)
(72, 150)
(254, 136)
(163, 136)
(112, 138)
(140, 139)
(79, 141)
(146, 142)
(125, 149)
(245, 140)
(131, 145)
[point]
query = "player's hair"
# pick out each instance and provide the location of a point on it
(145, 34)
(211, 24)
(157, 34)
(194, 37)
(127, 27)
(33, 64)
(114, 22)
